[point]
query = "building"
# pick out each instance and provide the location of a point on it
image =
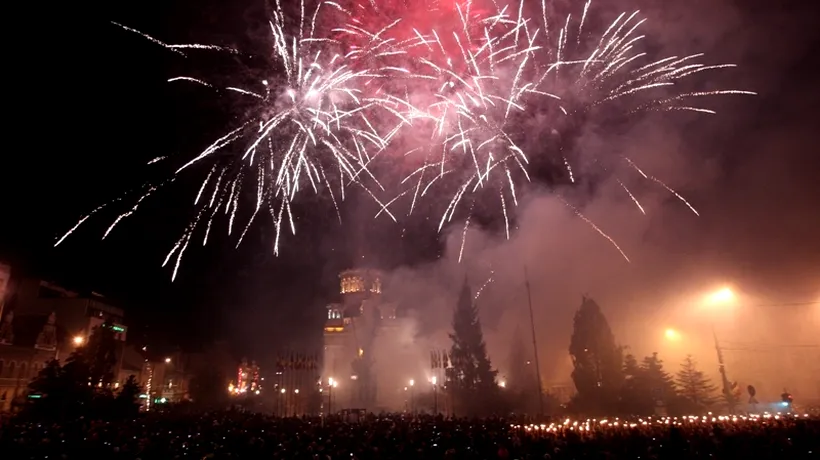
(170, 378)
(77, 314)
(5, 279)
(26, 345)
(359, 339)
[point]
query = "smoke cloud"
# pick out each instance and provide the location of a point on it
(733, 170)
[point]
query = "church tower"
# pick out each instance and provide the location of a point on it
(350, 327)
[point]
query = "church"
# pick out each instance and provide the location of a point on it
(363, 352)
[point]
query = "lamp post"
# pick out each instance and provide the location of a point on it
(412, 397)
(435, 395)
(723, 297)
(331, 384)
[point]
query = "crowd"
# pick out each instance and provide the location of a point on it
(236, 435)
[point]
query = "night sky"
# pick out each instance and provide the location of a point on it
(92, 107)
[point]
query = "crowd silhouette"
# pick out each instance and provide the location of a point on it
(235, 435)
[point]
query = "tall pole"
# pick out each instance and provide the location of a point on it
(435, 399)
(330, 398)
(727, 391)
(534, 344)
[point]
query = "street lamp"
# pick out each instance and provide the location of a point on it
(721, 297)
(435, 394)
(672, 334)
(78, 340)
(331, 384)
(412, 396)
(167, 360)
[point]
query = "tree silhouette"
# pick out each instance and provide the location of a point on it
(635, 396)
(660, 384)
(694, 386)
(49, 387)
(47, 382)
(473, 378)
(127, 400)
(82, 385)
(597, 361)
(100, 354)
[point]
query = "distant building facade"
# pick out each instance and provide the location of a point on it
(26, 345)
(40, 321)
(5, 280)
(358, 335)
(77, 314)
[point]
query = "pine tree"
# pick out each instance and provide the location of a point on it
(596, 360)
(473, 375)
(660, 384)
(127, 400)
(100, 354)
(635, 397)
(47, 381)
(50, 389)
(694, 386)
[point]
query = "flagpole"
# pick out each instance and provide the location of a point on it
(534, 345)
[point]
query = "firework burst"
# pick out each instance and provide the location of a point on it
(447, 91)
(310, 129)
(499, 68)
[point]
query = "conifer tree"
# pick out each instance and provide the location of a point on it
(597, 361)
(635, 398)
(660, 384)
(694, 386)
(127, 400)
(473, 375)
(100, 355)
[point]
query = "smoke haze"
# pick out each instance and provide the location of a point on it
(744, 170)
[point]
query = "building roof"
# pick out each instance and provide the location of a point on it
(26, 328)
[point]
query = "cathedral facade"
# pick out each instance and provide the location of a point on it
(361, 346)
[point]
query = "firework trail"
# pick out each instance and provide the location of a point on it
(447, 91)
(615, 71)
(477, 82)
(309, 130)
(459, 82)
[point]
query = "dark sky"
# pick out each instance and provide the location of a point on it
(92, 107)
